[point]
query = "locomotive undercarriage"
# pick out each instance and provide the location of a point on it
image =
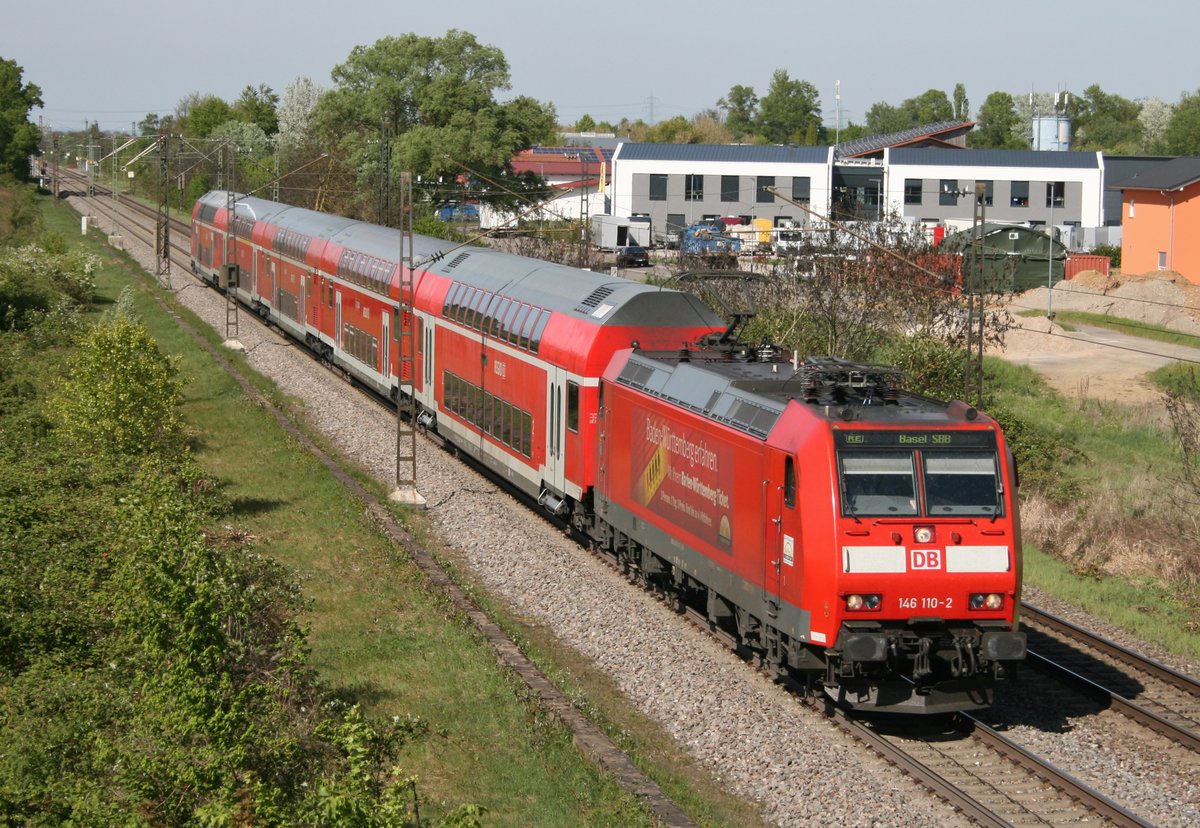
(924, 666)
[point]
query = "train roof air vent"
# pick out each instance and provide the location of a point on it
(457, 260)
(593, 301)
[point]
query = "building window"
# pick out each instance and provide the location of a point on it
(693, 188)
(1131, 210)
(762, 195)
(1162, 260)
(912, 190)
(1055, 193)
(801, 189)
(948, 193)
(675, 224)
(658, 187)
(730, 187)
(1019, 191)
(987, 192)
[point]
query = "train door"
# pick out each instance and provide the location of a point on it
(555, 427)
(305, 286)
(779, 494)
(385, 340)
(337, 320)
(429, 385)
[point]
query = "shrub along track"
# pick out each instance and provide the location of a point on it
(589, 739)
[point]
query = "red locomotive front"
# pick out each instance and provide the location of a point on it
(857, 537)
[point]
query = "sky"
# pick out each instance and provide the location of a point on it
(652, 60)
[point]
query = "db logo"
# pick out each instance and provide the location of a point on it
(925, 559)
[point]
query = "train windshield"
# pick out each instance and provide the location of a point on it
(929, 482)
(961, 483)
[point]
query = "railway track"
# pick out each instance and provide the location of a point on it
(1139, 688)
(985, 776)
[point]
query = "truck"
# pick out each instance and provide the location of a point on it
(611, 232)
(788, 238)
(708, 238)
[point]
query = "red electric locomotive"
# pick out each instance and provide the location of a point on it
(859, 537)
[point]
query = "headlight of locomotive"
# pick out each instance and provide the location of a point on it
(990, 601)
(864, 603)
(923, 534)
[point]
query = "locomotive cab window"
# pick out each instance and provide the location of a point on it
(878, 484)
(961, 483)
(789, 482)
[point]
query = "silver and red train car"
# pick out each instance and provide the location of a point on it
(860, 538)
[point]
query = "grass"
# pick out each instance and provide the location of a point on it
(379, 635)
(1131, 327)
(1148, 608)
(1117, 550)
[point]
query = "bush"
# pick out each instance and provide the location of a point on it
(1113, 253)
(121, 396)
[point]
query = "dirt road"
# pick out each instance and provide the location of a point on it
(1097, 363)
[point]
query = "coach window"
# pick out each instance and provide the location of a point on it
(572, 406)
(492, 315)
(510, 320)
(518, 322)
(462, 312)
(527, 327)
(535, 341)
(789, 482)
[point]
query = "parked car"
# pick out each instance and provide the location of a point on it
(632, 255)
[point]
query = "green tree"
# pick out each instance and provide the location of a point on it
(205, 115)
(998, 126)
(258, 107)
(883, 118)
(1106, 123)
(929, 107)
(741, 111)
(788, 110)
(586, 123)
(677, 130)
(18, 136)
(1182, 134)
(437, 96)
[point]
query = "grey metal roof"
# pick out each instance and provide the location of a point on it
(752, 395)
(546, 285)
(871, 143)
(571, 290)
(901, 156)
(746, 153)
(1169, 175)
